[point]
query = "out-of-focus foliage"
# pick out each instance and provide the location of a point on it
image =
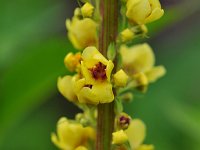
(33, 44)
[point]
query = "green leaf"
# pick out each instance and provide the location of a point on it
(111, 52)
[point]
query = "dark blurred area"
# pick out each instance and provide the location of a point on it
(33, 44)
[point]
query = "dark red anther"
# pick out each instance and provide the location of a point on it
(99, 71)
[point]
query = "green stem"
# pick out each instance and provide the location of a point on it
(108, 34)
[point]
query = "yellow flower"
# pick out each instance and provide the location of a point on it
(138, 62)
(87, 10)
(65, 87)
(120, 78)
(94, 86)
(119, 137)
(143, 11)
(72, 61)
(71, 135)
(82, 33)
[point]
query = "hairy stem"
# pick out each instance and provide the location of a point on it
(108, 33)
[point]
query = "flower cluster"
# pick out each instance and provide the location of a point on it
(99, 79)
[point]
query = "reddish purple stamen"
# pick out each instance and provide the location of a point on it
(98, 71)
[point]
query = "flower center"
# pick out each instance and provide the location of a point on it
(88, 86)
(98, 71)
(124, 122)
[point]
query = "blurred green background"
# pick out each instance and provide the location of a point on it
(33, 44)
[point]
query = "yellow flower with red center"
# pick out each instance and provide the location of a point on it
(143, 11)
(94, 85)
(71, 136)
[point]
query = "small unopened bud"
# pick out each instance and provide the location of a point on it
(87, 10)
(77, 12)
(80, 117)
(127, 97)
(142, 81)
(127, 35)
(119, 137)
(120, 78)
(123, 121)
(72, 61)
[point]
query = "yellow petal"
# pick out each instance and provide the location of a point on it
(81, 148)
(82, 33)
(104, 92)
(155, 4)
(55, 141)
(155, 73)
(155, 15)
(138, 10)
(136, 133)
(87, 74)
(145, 147)
(71, 35)
(78, 85)
(87, 10)
(139, 58)
(98, 93)
(119, 137)
(120, 78)
(65, 88)
(91, 56)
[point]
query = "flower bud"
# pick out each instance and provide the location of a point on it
(77, 12)
(119, 137)
(127, 35)
(143, 11)
(72, 61)
(87, 10)
(127, 97)
(120, 78)
(141, 79)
